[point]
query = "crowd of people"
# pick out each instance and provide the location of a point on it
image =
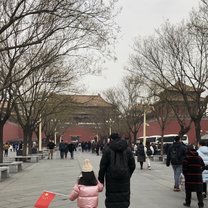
(117, 165)
(12, 147)
(192, 162)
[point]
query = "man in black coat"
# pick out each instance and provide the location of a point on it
(51, 145)
(62, 148)
(117, 187)
(71, 148)
(175, 155)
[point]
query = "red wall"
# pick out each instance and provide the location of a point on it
(12, 131)
(85, 133)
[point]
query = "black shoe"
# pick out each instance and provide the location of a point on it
(186, 205)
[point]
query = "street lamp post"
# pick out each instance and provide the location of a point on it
(110, 129)
(40, 135)
(144, 127)
(110, 122)
(54, 125)
(60, 139)
(55, 136)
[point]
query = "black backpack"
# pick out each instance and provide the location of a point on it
(174, 155)
(119, 165)
(149, 151)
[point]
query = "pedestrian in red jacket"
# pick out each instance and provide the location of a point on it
(193, 167)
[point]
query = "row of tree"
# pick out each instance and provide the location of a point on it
(45, 46)
(173, 59)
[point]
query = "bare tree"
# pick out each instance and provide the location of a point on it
(178, 54)
(32, 97)
(161, 111)
(42, 19)
(165, 105)
(127, 99)
(26, 27)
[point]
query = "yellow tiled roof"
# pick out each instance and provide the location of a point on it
(90, 100)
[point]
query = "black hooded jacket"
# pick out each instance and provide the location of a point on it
(181, 148)
(117, 189)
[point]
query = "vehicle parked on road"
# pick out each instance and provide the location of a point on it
(168, 139)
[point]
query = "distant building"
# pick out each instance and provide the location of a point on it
(172, 125)
(88, 118)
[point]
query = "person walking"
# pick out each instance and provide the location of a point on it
(87, 188)
(140, 154)
(116, 168)
(97, 149)
(175, 155)
(66, 149)
(149, 152)
(193, 165)
(51, 145)
(6, 149)
(71, 148)
(203, 153)
(62, 149)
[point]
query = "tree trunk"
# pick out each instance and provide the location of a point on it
(1, 143)
(197, 124)
(30, 143)
(27, 141)
(162, 146)
(135, 136)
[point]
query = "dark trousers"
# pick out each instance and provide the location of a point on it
(65, 154)
(62, 154)
(6, 153)
(72, 154)
(141, 165)
(199, 197)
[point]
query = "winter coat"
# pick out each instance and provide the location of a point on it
(62, 146)
(140, 152)
(87, 196)
(66, 148)
(192, 171)
(203, 153)
(51, 145)
(71, 147)
(117, 189)
(181, 153)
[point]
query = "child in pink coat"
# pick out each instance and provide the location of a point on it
(87, 188)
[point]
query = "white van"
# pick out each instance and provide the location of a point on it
(169, 139)
(152, 139)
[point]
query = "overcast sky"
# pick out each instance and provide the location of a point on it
(137, 18)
